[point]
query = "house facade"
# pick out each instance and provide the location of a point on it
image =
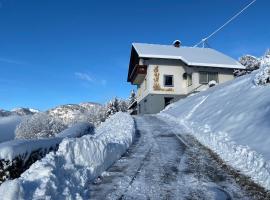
(166, 73)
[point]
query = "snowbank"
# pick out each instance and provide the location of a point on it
(66, 173)
(232, 119)
(16, 156)
(11, 149)
(8, 126)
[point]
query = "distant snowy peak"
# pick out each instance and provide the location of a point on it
(18, 111)
(90, 104)
(4, 113)
(34, 110)
(68, 112)
(24, 111)
(74, 107)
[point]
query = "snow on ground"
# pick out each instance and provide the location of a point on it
(11, 149)
(7, 127)
(66, 173)
(232, 119)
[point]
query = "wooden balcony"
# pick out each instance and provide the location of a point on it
(138, 74)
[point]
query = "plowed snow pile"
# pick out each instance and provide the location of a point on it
(66, 174)
(232, 119)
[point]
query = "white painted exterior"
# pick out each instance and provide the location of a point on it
(152, 101)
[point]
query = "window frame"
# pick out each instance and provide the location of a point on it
(164, 80)
(207, 77)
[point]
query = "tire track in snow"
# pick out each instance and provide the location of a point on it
(137, 172)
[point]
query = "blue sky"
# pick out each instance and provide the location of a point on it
(69, 51)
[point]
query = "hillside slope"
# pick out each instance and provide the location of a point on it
(72, 113)
(233, 120)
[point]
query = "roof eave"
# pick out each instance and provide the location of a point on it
(163, 57)
(236, 66)
(133, 53)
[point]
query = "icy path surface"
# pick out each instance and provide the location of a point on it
(163, 163)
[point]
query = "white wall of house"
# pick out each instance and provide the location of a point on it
(223, 76)
(152, 101)
(167, 67)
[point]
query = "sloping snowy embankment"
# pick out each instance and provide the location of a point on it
(8, 126)
(232, 119)
(14, 148)
(66, 173)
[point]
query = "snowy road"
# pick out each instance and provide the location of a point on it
(164, 163)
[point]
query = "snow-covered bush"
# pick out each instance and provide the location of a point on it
(250, 62)
(123, 105)
(132, 97)
(266, 58)
(132, 109)
(263, 76)
(239, 72)
(40, 125)
(112, 108)
(115, 106)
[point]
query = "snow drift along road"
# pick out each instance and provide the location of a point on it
(66, 173)
(23, 148)
(232, 119)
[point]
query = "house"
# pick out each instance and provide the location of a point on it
(166, 73)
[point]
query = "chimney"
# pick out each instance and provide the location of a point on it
(177, 43)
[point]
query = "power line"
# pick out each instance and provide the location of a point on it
(231, 19)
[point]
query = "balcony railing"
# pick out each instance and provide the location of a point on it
(138, 74)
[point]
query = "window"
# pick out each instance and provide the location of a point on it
(168, 80)
(213, 76)
(206, 77)
(189, 79)
(203, 78)
(167, 101)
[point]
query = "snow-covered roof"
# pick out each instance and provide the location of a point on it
(192, 56)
